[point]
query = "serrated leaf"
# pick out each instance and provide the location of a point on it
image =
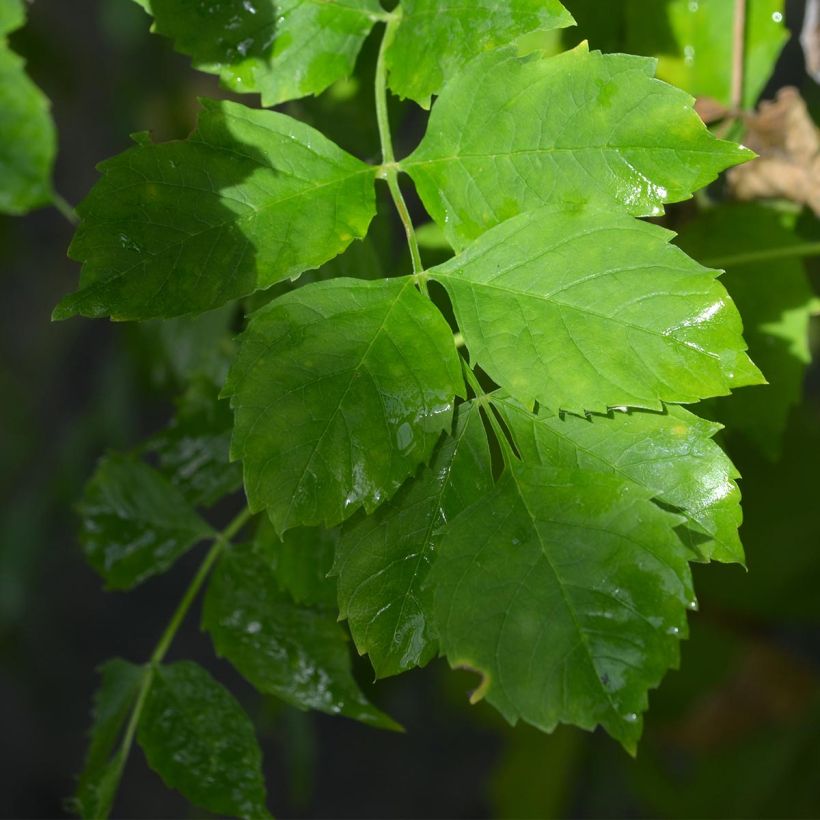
(510, 134)
(99, 779)
(671, 454)
(28, 139)
(200, 741)
(382, 562)
(776, 301)
(301, 562)
(283, 49)
(249, 199)
(585, 310)
(340, 390)
(695, 43)
(567, 591)
(297, 653)
(135, 523)
(437, 38)
(193, 452)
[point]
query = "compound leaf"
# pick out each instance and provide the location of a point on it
(135, 523)
(283, 49)
(297, 653)
(340, 390)
(567, 591)
(28, 140)
(200, 741)
(509, 134)
(437, 38)
(97, 784)
(249, 199)
(671, 454)
(382, 561)
(585, 310)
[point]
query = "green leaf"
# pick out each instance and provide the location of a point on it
(301, 562)
(249, 199)
(671, 454)
(200, 741)
(97, 785)
(509, 134)
(695, 43)
(382, 561)
(567, 592)
(437, 38)
(283, 49)
(28, 139)
(297, 653)
(585, 310)
(340, 390)
(193, 452)
(776, 301)
(135, 523)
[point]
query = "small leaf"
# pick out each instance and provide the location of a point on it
(383, 561)
(297, 653)
(509, 134)
(200, 741)
(671, 454)
(567, 592)
(340, 390)
(437, 38)
(249, 199)
(28, 139)
(98, 782)
(135, 523)
(776, 301)
(586, 310)
(283, 49)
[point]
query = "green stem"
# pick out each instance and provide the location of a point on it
(389, 169)
(789, 252)
(64, 208)
(484, 400)
(221, 541)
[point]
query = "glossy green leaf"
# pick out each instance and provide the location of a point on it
(301, 562)
(283, 49)
(585, 310)
(753, 242)
(28, 139)
(249, 199)
(297, 653)
(99, 779)
(509, 134)
(671, 454)
(135, 523)
(567, 592)
(200, 741)
(695, 43)
(437, 38)
(340, 390)
(382, 561)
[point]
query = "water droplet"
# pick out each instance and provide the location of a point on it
(248, 6)
(693, 604)
(673, 630)
(777, 17)
(631, 717)
(689, 55)
(253, 627)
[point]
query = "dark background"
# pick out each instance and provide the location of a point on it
(735, 734)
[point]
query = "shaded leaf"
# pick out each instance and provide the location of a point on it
(585, 310)
(382, 561)
(249, 199)
(509, 134)
(567, 592)
(437, 38)
(97, 784)
(671, 454)
(200, 741)
(340, 390)
(135, 523)
(283, 49)
(297, 653)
